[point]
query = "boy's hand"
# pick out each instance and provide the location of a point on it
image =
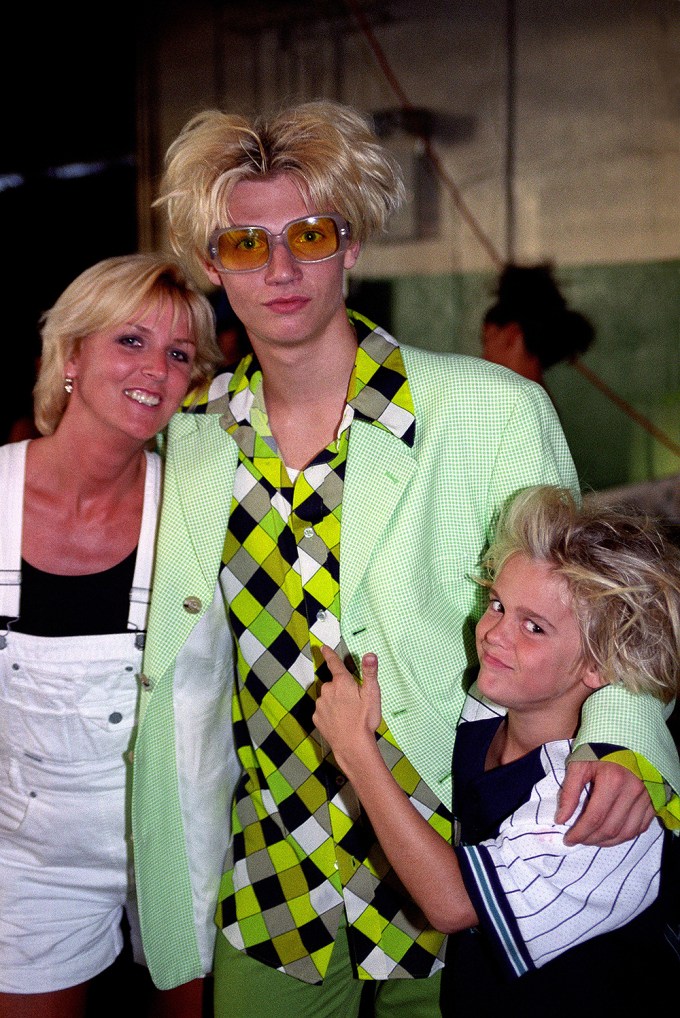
(348, 712)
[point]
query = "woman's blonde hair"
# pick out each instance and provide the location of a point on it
(104, 296)
(623, 575)
(329, 149)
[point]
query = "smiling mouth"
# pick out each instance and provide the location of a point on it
(491, 661)
(145, 398)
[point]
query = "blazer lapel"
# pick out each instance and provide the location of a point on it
(201, 462)
(204, 495)
(379, 468)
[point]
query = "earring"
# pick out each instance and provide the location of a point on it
(68, 386)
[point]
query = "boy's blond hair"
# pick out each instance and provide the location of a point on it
(623, 576)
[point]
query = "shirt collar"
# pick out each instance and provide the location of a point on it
(378, 389)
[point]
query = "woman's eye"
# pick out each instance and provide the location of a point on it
(129, 339)
(180, 355)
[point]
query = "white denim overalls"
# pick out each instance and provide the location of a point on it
(67, 716)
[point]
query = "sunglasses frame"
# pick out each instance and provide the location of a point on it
(273, 239)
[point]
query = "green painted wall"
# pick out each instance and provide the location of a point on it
(635, 309)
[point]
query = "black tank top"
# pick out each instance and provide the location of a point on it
(91, 605)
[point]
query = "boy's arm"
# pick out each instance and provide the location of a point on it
(347, 715)
(536, 896)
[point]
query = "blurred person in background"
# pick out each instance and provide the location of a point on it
(529, 328)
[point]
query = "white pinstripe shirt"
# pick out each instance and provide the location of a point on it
(537, 897)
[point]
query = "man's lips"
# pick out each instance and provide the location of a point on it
(287, 305)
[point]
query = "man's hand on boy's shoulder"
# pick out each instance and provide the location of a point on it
(618, 807)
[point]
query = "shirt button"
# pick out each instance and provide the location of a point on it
(145, 681)
(340, 780)
(320, 615)
(309, 532)
(116, 717)
(192, 605)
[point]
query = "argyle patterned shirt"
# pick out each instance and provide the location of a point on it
(301, 853)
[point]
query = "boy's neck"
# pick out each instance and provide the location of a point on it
(521, 732)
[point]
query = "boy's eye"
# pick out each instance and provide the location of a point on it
(533, 627)
(495, 605)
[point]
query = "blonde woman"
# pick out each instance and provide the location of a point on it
(121, 347)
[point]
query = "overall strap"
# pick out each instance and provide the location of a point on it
(12, 477)
(140, 594)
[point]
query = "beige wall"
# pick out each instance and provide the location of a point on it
(597, 112)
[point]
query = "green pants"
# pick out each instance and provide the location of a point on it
(245, 988)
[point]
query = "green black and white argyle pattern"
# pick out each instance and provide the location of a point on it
(301, 853)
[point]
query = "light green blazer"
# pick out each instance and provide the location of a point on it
(414, 523)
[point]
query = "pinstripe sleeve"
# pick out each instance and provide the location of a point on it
(537, 897)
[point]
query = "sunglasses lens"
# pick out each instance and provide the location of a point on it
(238, 250)
(312, 239)
(242, 248)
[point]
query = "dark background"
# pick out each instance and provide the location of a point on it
(67, 166)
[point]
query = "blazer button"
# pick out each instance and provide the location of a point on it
(192, 605)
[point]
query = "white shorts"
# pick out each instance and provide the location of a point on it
(65, 878)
